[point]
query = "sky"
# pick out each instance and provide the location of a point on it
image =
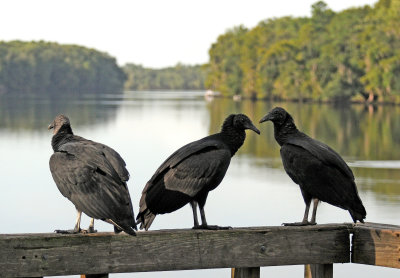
(152, 33)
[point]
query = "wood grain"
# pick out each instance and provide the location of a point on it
(56, 254)
(376, 244)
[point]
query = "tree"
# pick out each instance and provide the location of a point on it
(51, 68)
(329, 56)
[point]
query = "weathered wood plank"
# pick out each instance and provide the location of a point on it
(376, 244)
(245, 272)
(55, 254)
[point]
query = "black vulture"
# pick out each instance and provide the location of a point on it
(191, 172)
(319, 171)
(92, 176)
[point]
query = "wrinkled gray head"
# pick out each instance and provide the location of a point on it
(240, 122)
(278, 116)
(58, 122)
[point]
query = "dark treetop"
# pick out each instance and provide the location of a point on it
(92, 176)
(320, 171)
(192, 171)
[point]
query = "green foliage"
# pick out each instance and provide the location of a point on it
(51, 68)
(227, 70)
(329, 56)
(180, 77)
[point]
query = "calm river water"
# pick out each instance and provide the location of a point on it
(146, 127)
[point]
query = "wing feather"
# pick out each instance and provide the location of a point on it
(86, 177)
(322, 152)
(318, 178)
(188, 150)
(198, 166)
(198, 171)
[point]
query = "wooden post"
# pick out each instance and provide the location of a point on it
(376, 244)
(245, 272)
(318, 271)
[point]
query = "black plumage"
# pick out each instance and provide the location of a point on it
(192, 171)
(92, 176)
(319, 171)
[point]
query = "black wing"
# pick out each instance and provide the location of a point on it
(321, 151)
(197, 146)
(112, 157)
(320, 179)
(202, 170)
(86, 177)
(180, 178)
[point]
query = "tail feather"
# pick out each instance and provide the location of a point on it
(145, 218)
(358, 212)
(120, 226)
(129, 230)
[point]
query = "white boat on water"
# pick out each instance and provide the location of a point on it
(210, 94)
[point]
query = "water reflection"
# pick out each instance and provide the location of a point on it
(352, 130)
(367, 137)
(33, 113)
(146, 127)
(357, 132)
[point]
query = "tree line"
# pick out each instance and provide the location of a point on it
(331, 56)
(179, 77)
(51, 68)
(353, 54)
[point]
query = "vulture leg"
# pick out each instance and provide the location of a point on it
(204, 224)
(77, 228)
(314, 213)
(195, 219)
(91, 229)
(304, 222)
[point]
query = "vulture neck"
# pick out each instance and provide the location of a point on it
(282, 132)
(63, 135)
(233, 137)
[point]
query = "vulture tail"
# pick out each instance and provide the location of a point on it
(145, 218)
(127, 228)
(358, 212)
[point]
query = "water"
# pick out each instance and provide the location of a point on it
(146, 127)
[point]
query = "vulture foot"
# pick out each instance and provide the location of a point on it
(211, 227)
(303, 223)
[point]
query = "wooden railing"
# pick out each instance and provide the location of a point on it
(244, 250)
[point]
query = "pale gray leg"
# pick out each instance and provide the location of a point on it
(91, 227)
(305, 218)
(77, 227)
(203, 217)
(204, 224)
(194, 208)
(314, 213)
(304, 222)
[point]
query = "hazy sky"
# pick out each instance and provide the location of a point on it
(154, 33)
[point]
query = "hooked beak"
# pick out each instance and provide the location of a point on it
(267, 117)
(252, 127)
(51, 126)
